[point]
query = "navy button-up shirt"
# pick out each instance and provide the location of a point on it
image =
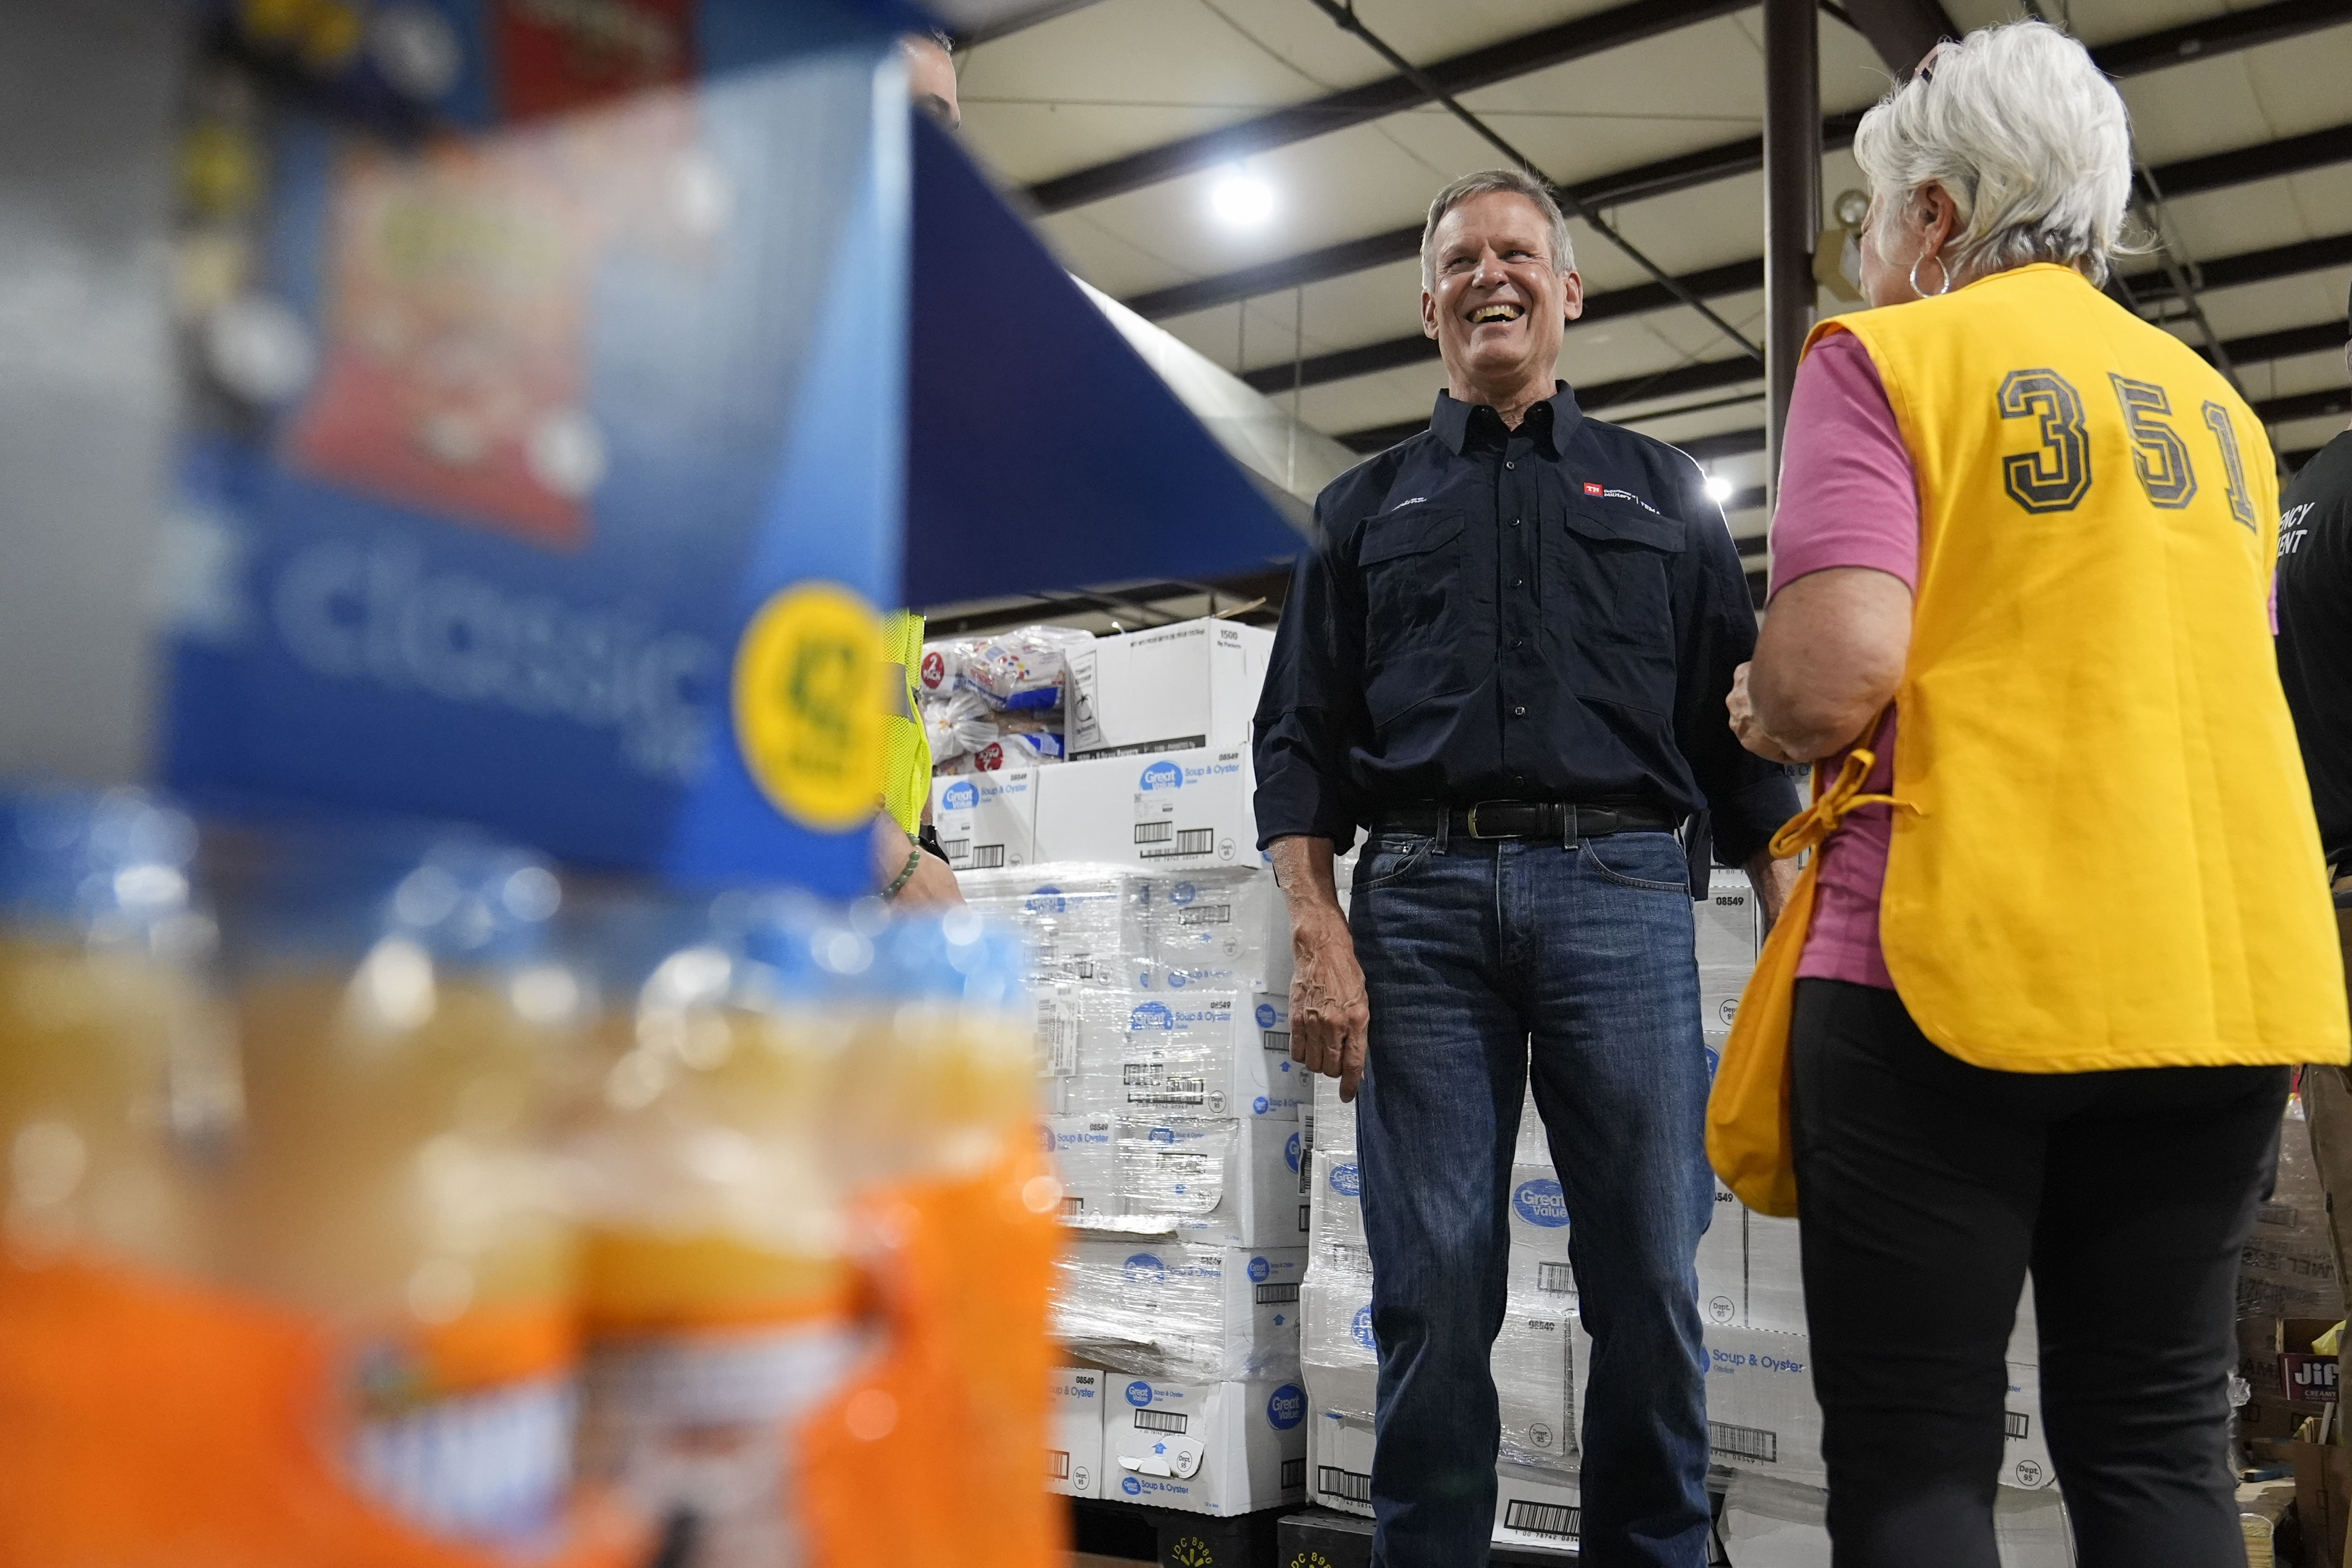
(1549, 612)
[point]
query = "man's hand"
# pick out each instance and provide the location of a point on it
(1329, 1010)
(1773, 880)
(933, 885)
(1745, 724)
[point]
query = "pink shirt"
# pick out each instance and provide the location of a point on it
(1848, 497)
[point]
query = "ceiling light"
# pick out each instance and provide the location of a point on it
(1239, 200)
(1719, 489)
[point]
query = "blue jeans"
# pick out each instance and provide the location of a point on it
(1485, 962)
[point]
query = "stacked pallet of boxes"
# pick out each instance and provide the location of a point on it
(1163, 968)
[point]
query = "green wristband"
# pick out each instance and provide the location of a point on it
(898, 883)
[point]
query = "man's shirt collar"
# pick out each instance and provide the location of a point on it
(1548, 422)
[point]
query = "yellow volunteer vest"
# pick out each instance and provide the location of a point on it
(906, 774)
(2106, 854)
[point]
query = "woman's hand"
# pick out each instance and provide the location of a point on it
(1746, 726)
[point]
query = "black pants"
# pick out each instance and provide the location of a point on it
(1926, 1187)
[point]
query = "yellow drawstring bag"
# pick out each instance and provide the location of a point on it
(1748, 1139)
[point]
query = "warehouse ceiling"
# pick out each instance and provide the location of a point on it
(1252, 176)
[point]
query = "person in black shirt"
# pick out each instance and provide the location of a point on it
(1506, 655)
(2315, 631)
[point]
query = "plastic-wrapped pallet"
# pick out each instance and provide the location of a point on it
(1222, 930)
(1729, 935)
(1341, 1364)
(1161, 1309)
(1084, 922)
(1331, 1121)
(1194, 1053)
(1219, 1181)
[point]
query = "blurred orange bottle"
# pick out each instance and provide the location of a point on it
(406, 1035)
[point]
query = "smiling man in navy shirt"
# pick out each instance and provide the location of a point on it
(1506, 658)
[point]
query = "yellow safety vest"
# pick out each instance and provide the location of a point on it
(907, 776)
(2104, 853)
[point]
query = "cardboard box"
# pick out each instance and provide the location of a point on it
(1533, 1144)
(1776, 1276)
(1761, 1415)
(987, 822)
(2268, 1413)
(1197, 1053)
(1338, 1453)
(1180, 810)
(1171, 1310)
(1331, 1121)
(2322, 1497)
(2288, 1267)
(1084, 922)
(1722, 1262)
(1533, 1364)
(2025, 1446)
(1221, 930)
(1335, 1203)
(1336, 1321)
(1535, 1509)
(1539, 1271)
(1084, 1152)
(1228, 1182)
(1074, 1432)
(1170, 689)
(1729, 934)
(1217, 1448)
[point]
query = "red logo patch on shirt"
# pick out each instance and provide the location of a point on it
(1590, 489)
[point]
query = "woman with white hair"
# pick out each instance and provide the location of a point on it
(2067, 926)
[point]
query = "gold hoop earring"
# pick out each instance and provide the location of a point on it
(1941, 266)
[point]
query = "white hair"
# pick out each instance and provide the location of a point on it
(1488, 183)
(2030, 141)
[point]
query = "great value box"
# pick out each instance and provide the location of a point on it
(1172, 688)
(1728, 935)
(1539, 1231)
(1193, 1311)
(1194, 1052)
(1221, 1183)
(1535, 1507)
(1723, 1262)
(1761, 1414)
(1084, 1151)
(1338, 1448)
(1218, 1448)
(1534, 1367)
(1336, 1209)
(987, 821)
(1177, 810)
(1074, 1431)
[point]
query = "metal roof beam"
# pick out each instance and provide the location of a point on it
(1663, 176)
(1517, 57)
(1902, 31)
(1742, 277)
(1708, 374)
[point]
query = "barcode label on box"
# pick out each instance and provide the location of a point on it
(1750, 1443)
(1305, 1210)
(958, 848)
(1276, 1291)
(1161, 1421)
(987, 858)
(1057, 1038)
(2016, 1423)
(1206, 915)
(1294, 1473)
(1196, 841)
(1154, 832)
(1560, 1520)
(1276, 1040)
(1057, 1465)
(1349, 1486)
(1555, 1279)
(1073, 1208)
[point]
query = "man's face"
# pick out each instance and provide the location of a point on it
(931, 81)
(1498, 307)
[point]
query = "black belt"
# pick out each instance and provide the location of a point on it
(1558, 821)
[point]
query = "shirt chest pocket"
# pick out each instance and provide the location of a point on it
(1616, 560)
(1412, 567)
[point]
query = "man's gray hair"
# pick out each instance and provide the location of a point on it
(2031, 141)
(1487, 182)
